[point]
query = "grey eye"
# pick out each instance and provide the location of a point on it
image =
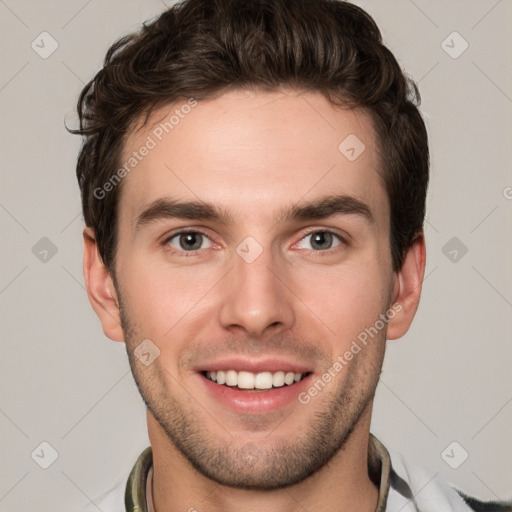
(320, 241)
(189, 241)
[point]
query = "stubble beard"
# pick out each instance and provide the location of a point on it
(244, 463)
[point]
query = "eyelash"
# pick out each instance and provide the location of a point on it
(182, 253)
(341, 239)
(187, 254)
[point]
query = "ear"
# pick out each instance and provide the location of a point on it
(100, 288)
(407, 288)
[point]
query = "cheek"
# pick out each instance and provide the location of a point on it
(347, 300)
(161, 297)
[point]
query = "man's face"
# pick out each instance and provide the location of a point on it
(248, 280)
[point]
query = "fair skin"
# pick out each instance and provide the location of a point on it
(319, 281)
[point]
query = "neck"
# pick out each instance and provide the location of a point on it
(343, 485)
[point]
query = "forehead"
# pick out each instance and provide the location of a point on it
(251, 152)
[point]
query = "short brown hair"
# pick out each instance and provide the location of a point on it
(201, 48)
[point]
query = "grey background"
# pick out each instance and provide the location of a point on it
(64, 383)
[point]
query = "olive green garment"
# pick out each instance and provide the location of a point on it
(379, 465)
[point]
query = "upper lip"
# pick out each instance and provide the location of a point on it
(254, 366)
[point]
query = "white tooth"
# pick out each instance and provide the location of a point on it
(278, 379)
(221, 377)
(207, 375)
(213, 376)
(245, 380)
(231, 378)
(288, 378)
(263, 380)
(297, 377)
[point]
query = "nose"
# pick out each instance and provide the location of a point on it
(255, 299)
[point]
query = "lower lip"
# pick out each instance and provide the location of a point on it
(255, 401)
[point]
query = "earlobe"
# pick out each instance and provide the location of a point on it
(100, 288)
(407, 288)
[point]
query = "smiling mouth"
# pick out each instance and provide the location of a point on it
(248, 381)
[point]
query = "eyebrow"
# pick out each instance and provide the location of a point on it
(327, 207)
(323, 208)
